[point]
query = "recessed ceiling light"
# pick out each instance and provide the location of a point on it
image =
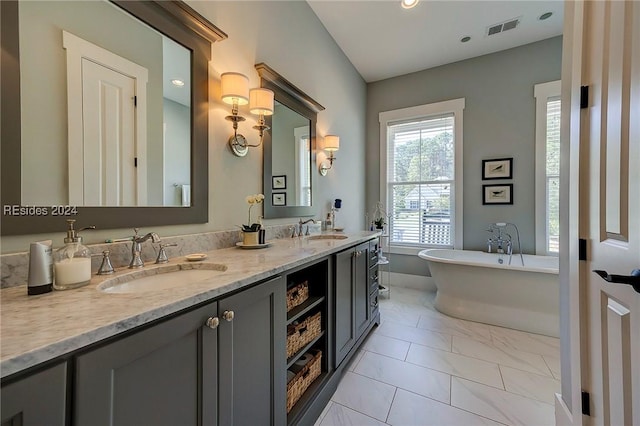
(465, 39)
(408, 4)
(545, 15)
(177, 82)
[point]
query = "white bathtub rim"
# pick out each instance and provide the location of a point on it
(431, 255)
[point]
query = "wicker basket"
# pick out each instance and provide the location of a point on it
(297, 295)
(302, 380)
(301, 334)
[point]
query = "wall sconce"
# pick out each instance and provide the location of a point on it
(235, 91)
(331, 145)
(261, 104)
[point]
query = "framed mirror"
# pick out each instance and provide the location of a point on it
(59, 159)
(289, 148)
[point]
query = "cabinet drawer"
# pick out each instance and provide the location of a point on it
(374, 247)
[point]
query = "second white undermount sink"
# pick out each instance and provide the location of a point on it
(327, 237)
(161, 278)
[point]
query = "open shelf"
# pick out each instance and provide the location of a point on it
(306, 398)
(308, 346)
(303, 308)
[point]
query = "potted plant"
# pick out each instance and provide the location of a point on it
(379, 222)
(250, 231)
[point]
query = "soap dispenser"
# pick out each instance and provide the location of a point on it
(72, 263)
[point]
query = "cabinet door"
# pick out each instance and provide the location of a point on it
(345, 313)
(163, 375)
(252, 356)
(37, 399)
(361, 288)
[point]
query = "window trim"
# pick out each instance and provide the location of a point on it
(542, 93)
(454, 106)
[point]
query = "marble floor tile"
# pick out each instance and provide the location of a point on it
(456, 365)
(409, 409)
(356, 358)
(502, 355)
(553, 362)
(523, 341)
(534, 386)
(365, 395)
(415, 335)
(339, 415)
(407, 318)
(423, 381)
(388, 346)
(411, 296)
(500, 405)
(438, 322)
(323, 414)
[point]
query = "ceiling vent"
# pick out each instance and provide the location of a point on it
(503, 26)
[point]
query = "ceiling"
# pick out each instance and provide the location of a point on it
(383, 40)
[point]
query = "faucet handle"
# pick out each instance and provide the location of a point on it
(162, 254)
(293, 232)
(307, 232)
(106, 267)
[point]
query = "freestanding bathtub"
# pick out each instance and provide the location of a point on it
(472, 285)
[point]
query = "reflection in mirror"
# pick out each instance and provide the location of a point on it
(193, 35)
(108, 118)
(291, 155)
(288, 148)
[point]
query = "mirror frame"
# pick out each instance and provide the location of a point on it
(295, 99)
(176, 20)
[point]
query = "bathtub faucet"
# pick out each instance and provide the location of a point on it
(503, 240)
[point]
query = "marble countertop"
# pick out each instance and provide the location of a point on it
(36, 329)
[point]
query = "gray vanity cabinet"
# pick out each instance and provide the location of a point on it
(183, 371)
(353, 315)
(252, 356)
(38, 399)
(164, 375)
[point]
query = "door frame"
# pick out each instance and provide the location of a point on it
(78, 49)
(573, 308)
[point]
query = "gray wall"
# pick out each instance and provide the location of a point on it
(499, 121)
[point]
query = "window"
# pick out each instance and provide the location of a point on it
(303, 166)
(547, 167)
(421, 175)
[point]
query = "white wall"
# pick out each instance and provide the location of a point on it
(290, 39)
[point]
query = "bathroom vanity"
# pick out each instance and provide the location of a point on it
(208, 352)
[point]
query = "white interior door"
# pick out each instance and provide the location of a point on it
(108, 136)
(610, 209)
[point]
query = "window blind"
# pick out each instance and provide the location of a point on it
(553, 174)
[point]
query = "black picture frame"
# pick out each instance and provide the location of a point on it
(497, 194)
(279, 182)
(278, 199)
(497, 168)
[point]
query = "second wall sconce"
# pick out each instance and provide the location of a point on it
(235, 91)
(331, 145)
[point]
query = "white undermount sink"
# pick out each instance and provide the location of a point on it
(161, 278)
(327, 237)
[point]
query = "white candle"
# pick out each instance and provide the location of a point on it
(72, 271)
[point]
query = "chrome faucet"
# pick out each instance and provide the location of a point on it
(503, 242)
(136, 249)
(303, 223)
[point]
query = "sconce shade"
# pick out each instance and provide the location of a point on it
(261, 101)
(331, 143)
(235, 86)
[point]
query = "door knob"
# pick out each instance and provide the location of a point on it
(212, 322)
(228, 315)
(633, 280)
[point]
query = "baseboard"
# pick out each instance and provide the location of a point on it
(416, 282)
(563, 415)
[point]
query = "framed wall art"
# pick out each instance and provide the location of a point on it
(499, 168)
(497, 194)
(279, 182)
(279, 199)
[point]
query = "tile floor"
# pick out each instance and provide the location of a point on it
(420, 367)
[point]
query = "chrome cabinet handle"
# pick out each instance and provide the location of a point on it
(633, 280)
(213, 322)
(228, 315)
